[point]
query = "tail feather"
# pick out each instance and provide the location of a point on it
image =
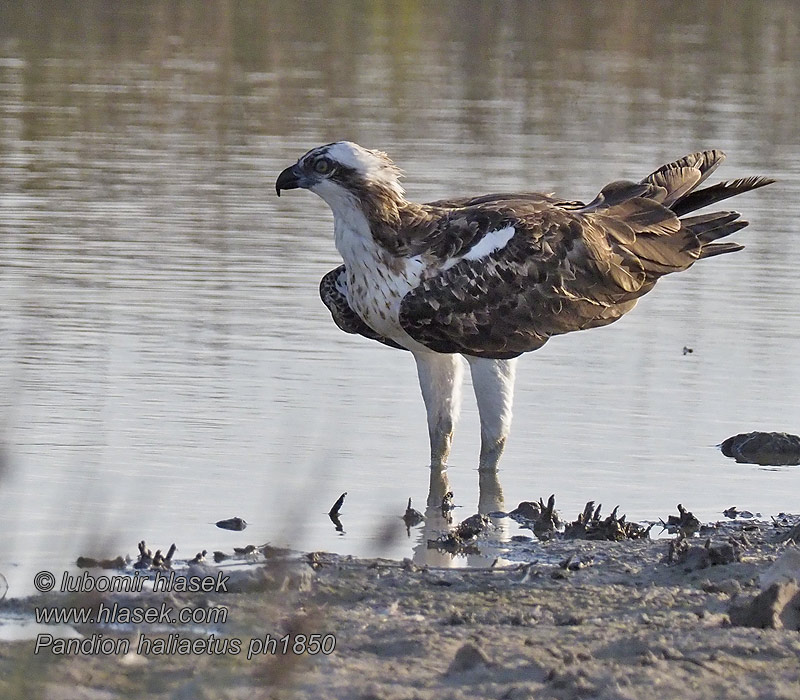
(682, 176)
(644, 218)
(679, 181)
(716, 193)
(709, 251)
(710, 227)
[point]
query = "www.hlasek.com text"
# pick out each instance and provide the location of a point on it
(116, 614)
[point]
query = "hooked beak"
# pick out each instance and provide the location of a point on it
(289, 179)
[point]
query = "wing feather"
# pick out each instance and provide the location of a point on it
(568, 266)
(564, 269)
(560, 272)
(332, 292)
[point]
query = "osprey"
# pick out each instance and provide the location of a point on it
(488, 278)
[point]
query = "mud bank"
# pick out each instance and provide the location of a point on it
(610, 620)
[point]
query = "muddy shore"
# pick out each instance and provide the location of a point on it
(578, 619)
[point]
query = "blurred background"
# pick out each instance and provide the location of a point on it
(165, 360)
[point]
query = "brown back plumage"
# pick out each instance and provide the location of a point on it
(568, 266)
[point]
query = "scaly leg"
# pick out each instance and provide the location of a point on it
(440, 378)
(493, 381)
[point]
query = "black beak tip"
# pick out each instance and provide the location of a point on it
(287, 180)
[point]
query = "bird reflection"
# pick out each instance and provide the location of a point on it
(333, 513)
(337, 523)
(438, 518)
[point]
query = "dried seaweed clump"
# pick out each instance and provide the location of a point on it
(684, 524)
(694, 557)
(589, 526)
(543, 519)
(412, 517)
(459, 540)
(92, 563)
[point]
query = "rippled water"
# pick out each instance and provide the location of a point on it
(165, 360)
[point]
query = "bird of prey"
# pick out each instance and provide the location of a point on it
(488, 278)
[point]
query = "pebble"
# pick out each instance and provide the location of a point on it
(467, 658)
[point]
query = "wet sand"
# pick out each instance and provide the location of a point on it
(624, 624)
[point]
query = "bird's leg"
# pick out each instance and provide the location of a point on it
(438, 487)
(490, 492)
(440, 377)
(493, 382)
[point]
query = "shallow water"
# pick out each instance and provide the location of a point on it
(165, 360)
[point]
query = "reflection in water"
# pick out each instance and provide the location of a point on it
(165, 360)
(439, 520)
(337, 522)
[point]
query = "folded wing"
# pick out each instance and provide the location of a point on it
(567, 266)
(333, 292)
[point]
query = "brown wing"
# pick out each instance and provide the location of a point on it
(568, 268)
(505, 198)
(332, 292)
(555, 275)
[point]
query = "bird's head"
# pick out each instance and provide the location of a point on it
(344, 173)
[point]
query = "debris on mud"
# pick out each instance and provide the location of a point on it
(546, 522)
(460, 540)
(694, 557)
(685, 523)
(589, 526)
(543, 519)
(412, 517)
(793, 535)
(765, 449)
(92, 563)
(734, 513)
(575, 562)
(161, 562)
(145, 560)
(270, 552)
(199, 558)
(571, 616)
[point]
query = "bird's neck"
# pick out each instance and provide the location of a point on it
(375, 217)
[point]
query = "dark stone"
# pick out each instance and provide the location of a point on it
(232, 524)
(766, 449)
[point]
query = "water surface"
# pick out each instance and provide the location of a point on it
(165, 360)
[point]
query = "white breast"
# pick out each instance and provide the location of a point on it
(376, 281)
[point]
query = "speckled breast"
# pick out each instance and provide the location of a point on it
(375, 291)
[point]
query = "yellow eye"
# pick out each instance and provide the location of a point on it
(322, 166)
